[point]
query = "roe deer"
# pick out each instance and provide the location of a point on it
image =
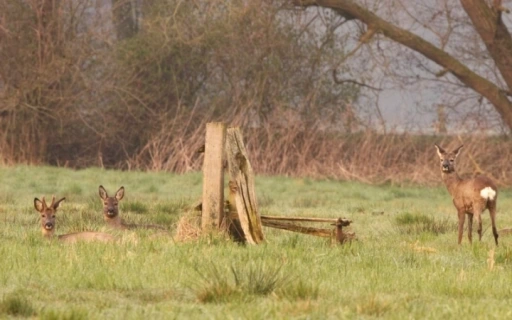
(111, 211)
(48, 224)
(470, 196)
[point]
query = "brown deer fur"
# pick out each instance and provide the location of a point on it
(48, 224)
(470, 196)
(111, 211)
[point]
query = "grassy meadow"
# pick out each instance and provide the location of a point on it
(406, 263)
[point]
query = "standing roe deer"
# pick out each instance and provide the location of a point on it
(470, 196)
(48, 224)
(111, 211)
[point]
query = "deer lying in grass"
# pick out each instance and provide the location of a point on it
(48, 224)
(111, 211)
(470, 196)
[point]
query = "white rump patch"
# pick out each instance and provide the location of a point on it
(488, 193)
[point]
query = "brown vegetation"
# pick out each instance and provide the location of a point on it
(372, 158)
(295, 150)
(76, 92)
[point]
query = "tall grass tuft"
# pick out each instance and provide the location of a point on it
(299, 289)
(504, 257)
(214, 285)
(409, 223)
(15, 304)
(238, 282)
(72, 314)
(258, 279)
(374, 306)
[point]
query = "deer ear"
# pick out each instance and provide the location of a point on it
(103, 193)
(38, 204)
(457, 151)
(57, 204)
(120, 193)
(440, 151)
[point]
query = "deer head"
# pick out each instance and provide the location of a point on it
(447, 159)
(47, 214)
(111, 204)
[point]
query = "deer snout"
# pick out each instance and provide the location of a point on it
(48, 226)
(445, 166)
(111, 211)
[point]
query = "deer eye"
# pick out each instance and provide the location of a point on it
(452, 160)
(53, 216)
(43, 216)
(105, 203)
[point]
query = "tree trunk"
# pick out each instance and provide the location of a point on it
(500, 44)
(489, 25)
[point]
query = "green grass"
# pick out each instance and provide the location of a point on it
(406, 263)
(15, 304)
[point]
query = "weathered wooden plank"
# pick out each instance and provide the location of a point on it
(304, 219)
(326, 233)
(232, 220)
(242, 187)
(213, 176)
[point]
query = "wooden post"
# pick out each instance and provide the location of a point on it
(242, 187)
(232, 220)
(213, 176)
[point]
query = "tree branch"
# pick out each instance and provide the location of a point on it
(343, 81)
(494, 33)
(479, 84)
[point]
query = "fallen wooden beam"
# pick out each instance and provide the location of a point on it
(336, 233)
(326, 233)
(303, 219)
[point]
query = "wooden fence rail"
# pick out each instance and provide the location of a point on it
(241, 217)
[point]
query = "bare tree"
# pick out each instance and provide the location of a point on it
(487, 69)
(124, 14)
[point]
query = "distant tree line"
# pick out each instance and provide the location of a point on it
(131, 83)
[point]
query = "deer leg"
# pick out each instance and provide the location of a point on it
(462, 216)
(479, 220)
(470, 227)
(492, 212)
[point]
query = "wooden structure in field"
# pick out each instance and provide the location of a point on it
(239, 215)
(241, 188)
(213, 182)
(242, 219)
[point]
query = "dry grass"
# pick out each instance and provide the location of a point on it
(369, 157)
(295, 149)
(188, 228)
(144, 102)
